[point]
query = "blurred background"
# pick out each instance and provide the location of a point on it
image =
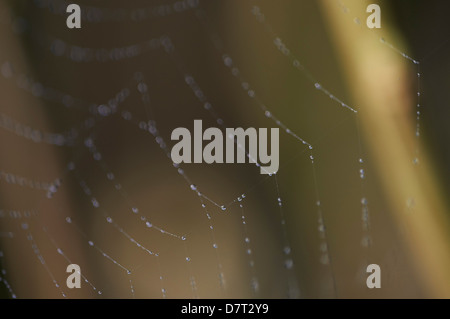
(85, 125)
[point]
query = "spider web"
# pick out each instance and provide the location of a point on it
(140, 225)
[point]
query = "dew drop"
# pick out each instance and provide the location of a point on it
(324, 260)
(288, 263)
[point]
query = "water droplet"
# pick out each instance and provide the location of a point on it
(365, 241)
(142, 87)
(183, 238)
(255, 284)
(247, 240)
(149, 224)
(135, 210)
(69, 220)
(287, 250)
(188, 259)
(71, 166)
(104, 110)
(268, 114)
(249, 251)
(109, 219)
(324, 260)
(416, 161)
(193, 187)
(24, 226)
(223, 207)
(361, 160)
(318, 86)
(214, 245)
(95, 203)
(288, 263)
(91, 243)
(59, 251)
(364, 201)
(129, 272)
